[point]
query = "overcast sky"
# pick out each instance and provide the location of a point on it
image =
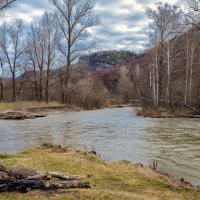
(123, 21)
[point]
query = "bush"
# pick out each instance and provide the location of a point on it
(94, 101)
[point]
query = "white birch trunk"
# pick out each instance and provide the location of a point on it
(157, 78)
(168, 72)
(187, 69)
(191, 74)
(154, 86)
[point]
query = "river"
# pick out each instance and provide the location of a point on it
(117, 134)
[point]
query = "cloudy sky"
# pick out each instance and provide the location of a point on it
(123, 21)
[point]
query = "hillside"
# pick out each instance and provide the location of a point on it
(105, 59)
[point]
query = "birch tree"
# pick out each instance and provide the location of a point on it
(166, 24)
(192, 50)
(154, 76)
(192, 63)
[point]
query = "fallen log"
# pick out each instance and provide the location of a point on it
(49, 175)
(18, 172)
(24, 180)
(10, 185)
(39, 177)
(68, 184)
(62, 177)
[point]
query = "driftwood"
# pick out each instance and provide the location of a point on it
(24, 180)
(67, 184)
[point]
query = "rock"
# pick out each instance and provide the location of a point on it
(139, 165)
(19, 115)
(55, 148)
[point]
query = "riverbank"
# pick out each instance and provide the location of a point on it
(165, 113)
(33, 106)
(30, 110)
(116, 180)
(51, 106)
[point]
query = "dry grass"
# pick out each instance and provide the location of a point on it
(30, 106)
(119, 180)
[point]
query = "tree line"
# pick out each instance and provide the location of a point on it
(39, 62)
(44, 54)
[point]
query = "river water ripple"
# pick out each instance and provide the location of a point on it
(117, 134)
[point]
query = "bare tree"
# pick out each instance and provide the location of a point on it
(12, 46)
(192, 49)
(193, 12)
(5, 4)
(75, 17)
(38, 44)
(192, 62)
(53, 37)
(32, 65)
(42, 51)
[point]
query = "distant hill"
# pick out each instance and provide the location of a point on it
(105, 59)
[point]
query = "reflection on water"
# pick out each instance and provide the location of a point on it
(116, 134)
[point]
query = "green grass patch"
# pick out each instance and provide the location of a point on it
(112, 181)
(5, 156)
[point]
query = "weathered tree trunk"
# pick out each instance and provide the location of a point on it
(191, 74)
(10, 185)
(156, 77)
(41, 85)
(1, 82)
(168, 74)
(62, 86)
(1, 89)
(13, 87)
(187, 70)
(67, 184)
(47, 87)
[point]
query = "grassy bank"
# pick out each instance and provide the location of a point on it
(119, 180)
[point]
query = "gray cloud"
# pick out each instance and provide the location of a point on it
(123, 21)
